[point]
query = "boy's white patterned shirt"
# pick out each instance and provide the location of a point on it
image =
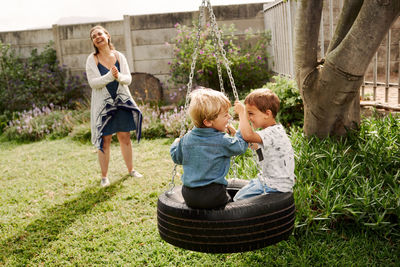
(277, 161)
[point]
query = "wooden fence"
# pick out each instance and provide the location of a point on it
(381, 87)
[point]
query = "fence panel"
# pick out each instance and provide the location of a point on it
(383, 75)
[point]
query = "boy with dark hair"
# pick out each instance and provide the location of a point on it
(275, 152)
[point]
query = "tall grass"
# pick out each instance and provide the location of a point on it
(351, 181)
(53, 212)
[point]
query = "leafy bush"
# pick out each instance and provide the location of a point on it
(248, 58)
(173, 120)
(291, 112)
(81, 132)
(39, 123)
(38, 80)
(151, 125)
(158, 124)
(353, 181)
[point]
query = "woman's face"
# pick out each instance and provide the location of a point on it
(99, 38)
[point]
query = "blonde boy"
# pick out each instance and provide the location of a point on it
(205, 151)
(275, 152)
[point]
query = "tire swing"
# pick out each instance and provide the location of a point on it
(240, 226)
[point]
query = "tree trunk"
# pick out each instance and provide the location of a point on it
(330, 87)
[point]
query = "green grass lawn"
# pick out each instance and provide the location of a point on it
(53, 212)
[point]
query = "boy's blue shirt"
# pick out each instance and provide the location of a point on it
(205, 155)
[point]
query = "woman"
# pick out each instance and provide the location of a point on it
(113, 109)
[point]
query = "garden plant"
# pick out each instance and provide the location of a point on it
(53, 213)
(247, 55)
(36, 81)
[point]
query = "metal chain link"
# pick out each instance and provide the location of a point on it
(216, 35)
(218, 60)
(192, 68)
(226, 62)
(189, 88)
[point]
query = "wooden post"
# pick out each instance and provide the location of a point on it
(128, 42)
(375, 73)
(290, 34)
(57, 43)
(387, 80)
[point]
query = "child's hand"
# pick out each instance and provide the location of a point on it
(239, 107)
(230, 130)
(253, 146)
(177, 140)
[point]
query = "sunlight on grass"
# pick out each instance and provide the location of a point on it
(53, 212)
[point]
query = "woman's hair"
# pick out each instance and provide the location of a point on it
(206, 104)
(98, 27)
(263, 99)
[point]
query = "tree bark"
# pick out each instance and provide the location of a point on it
(330, 87)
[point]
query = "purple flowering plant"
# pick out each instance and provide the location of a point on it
(163, 123)
(39, 123)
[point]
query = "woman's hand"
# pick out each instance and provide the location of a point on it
(114, 71)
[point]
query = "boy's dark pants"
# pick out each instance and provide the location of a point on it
(206, 197)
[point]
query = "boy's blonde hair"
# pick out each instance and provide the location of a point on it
(263, 99)
(206, 104)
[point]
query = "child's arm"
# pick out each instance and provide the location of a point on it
(176, 152)
(244, 125)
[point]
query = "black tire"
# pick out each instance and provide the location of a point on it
(240, 226)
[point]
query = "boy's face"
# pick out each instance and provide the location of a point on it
(258, 119)
(221, 122)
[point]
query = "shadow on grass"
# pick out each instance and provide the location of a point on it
(35, 237)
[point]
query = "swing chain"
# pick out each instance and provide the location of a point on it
(218, 60)
(220, 44)
(172, 183)
(192, 68)
(189, 88)
(217, 34)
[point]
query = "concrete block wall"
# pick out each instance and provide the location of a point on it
(74, 44)
(142, 39)
(25, 41)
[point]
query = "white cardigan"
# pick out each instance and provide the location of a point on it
(101, 98)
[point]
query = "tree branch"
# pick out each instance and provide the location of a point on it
(365, 36)
(348, 15)
(308, 19)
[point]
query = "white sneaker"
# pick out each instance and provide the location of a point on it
(135, 174)
(105, 182)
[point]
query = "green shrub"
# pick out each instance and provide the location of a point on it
(173, 120)
(350, 182)
(355, 179)
(291, 112)
(248, 58)
(37, 80)
(39, 123)
(157, 124)
(81, 132)
(151, 126)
